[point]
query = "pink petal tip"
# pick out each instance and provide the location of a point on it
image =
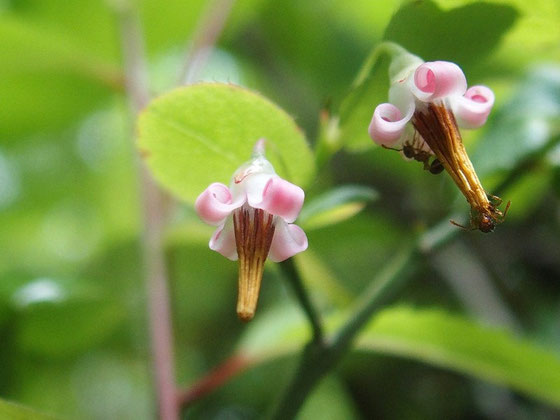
(214, 204)
(387, 124)
(282, 198)
(438, 79)
(472, 109)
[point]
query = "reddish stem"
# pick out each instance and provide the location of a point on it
(213, 379)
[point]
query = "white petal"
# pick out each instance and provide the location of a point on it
(288, 240)
(223, 241)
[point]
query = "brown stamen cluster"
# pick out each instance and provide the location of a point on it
(254, 230)
(438, 127)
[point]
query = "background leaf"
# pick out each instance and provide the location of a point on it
(48, 80)
(338, 204)
(201, 134)
(9, 410)
(432, 336)
(463, 35)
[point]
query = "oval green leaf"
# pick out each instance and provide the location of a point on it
(200, 134)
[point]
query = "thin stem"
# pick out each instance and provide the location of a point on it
(293, 277)
(525, 165)
(159, 312)
(319, 358)
(209, 31)
(392, 277)
(214, 379)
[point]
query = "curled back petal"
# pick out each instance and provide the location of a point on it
(387, 124)
(223, 241)
(437, 79)
(282, 198)
(472, 109)
(215, 203)
(288, 240)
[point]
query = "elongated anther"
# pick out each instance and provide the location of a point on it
(254, 230)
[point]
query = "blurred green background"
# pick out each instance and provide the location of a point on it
(73, 324)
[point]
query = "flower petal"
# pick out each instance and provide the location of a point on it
(288, 240)
(437, 79)
(282, 198)
(387, 124)
(472, 109)
(254, 186)
(223, 241)
(214, 204)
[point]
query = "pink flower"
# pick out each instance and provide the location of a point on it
(434, 98)
(254, 218)
(420, 84)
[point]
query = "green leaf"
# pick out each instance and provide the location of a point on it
(331, 397)
(335, 206)
(49, 81)
(429, 335)
(523, 125)
(450, 341)
(12, 411)
(464, 35)
(200, 134)
(58, 318)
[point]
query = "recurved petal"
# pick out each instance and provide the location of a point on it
(223, 241)
(214, 204)
(288, 240)
(282, 198)
(387, 124)
(472, 109)
(437, 79)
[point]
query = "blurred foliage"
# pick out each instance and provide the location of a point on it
(72, 301)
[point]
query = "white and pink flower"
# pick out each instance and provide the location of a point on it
(434, 98)
(254, 218)
(419, 84)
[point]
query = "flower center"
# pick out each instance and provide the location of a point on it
(254, 230)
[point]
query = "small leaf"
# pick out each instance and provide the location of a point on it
(200, 134)
(335, 206)
(12, 411)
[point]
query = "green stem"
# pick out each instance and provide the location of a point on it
(319, 358)
(293, 277)
(526, 165)
(392, 277)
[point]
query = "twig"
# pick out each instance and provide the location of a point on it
(208, 32)
(214, 379)
(318, 359)
(293, 277)
(152, 250)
